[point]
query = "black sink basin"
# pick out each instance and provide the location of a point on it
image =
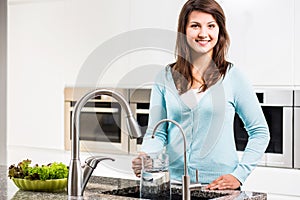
(196, 193)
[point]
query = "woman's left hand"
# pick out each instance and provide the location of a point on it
(224, 182)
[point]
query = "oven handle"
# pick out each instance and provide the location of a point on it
(142, 111)
(100, 110)
(275, 105)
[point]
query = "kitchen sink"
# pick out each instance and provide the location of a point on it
(196, 193)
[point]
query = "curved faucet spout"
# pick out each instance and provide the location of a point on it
(133, 127)
(76, 179)
(185, 178)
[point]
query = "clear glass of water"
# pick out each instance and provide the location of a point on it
(155, 177)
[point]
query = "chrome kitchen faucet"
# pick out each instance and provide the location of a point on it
(78, 177)
(186, 195)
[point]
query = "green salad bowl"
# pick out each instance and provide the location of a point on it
(51, 185)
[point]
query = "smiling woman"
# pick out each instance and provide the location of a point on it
(202, 91)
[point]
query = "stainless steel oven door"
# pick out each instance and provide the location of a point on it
(297, 130)
(282, 157)
(96, 118)
(281, 131)
(100, 124)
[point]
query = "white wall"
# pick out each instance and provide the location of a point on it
(3, 81)
(37, 57)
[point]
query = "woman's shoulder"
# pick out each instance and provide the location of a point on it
(164, 73)
(235, 74)
(237, 79)
(232, 70)
(163, 77)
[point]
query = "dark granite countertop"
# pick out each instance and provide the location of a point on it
(103, 187)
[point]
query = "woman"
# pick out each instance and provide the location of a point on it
(202, 92)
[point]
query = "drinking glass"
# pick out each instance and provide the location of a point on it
(155, 177)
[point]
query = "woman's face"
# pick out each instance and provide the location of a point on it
(202, 33)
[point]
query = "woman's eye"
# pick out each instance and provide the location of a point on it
(211, 26)
(194, 25)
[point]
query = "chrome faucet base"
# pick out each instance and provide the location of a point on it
(186, 194)
(75, 178)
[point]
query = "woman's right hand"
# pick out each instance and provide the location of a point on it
(137, 164)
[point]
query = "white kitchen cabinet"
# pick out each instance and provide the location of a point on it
(92, 27)
(155, 14)
(36, 57)
(297, 44)
(262, 39)
(157, 22)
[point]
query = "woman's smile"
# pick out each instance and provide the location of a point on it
(202, 42)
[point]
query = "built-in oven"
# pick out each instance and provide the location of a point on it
(139, 100)
(297, 129)
(277, 106)
(101, 122)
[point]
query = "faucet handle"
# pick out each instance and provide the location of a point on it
(91, 164)
(94, 160)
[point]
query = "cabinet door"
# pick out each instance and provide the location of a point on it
(297, 44)
(92, 27)
(262, 41)
(155, 14)
(157, 21)
(36, 57)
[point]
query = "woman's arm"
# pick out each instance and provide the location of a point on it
(250, 112)
(157, 112)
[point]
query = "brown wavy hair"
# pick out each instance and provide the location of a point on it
(182, 68)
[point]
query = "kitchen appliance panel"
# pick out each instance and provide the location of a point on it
(277, 106)
(282, 157)
(297, 130)
(102, 122)
(139, 100)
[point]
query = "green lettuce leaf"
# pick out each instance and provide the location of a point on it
(45, 172)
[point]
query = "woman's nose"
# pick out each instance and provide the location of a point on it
(202, 33)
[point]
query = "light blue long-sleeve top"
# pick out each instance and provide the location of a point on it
(208, 127)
